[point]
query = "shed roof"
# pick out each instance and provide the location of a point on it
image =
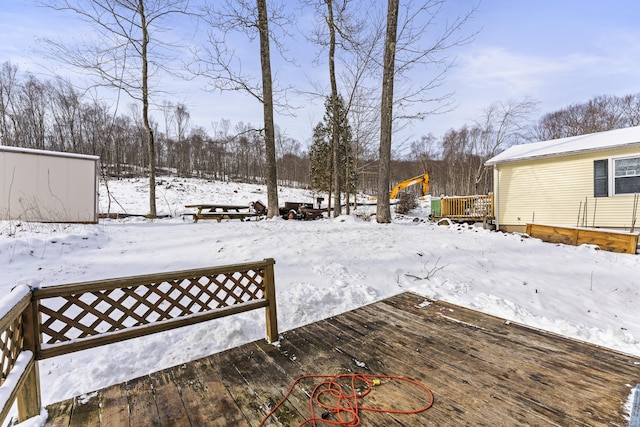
(601, 141)
(10, 149)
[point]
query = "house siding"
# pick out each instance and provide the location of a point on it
(556, 190)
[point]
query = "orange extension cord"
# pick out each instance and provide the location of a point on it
(345, 406)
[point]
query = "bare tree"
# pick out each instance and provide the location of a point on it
(457, 158)
(425, 40)
(424, 151)
(182, 116)
(31, 123)
(408, 49)
(503, 124)
(219, 63)
(267, 107)
(123, 54)
(599, 114)
(350, 35)
(631, 109)
(8, 84)
(335, 131)
(66, 109)
(383, 212)
(293, 164)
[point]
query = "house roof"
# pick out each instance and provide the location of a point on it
(613, 139)
(11, 149)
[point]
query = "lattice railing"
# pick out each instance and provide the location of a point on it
(16, 353)
(96, 312)
(143, 304)
(40, 323)
(11, 340)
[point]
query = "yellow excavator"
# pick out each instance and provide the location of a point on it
(420, 179)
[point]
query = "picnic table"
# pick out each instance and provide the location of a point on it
(220, 212)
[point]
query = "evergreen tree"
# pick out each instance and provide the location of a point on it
(321, 153)
(320, 160)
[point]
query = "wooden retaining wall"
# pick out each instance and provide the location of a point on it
(608, 240)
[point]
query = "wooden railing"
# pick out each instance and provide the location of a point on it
(62, 319)
(467, 207)
(20, 377)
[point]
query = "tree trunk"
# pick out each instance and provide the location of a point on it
(151, 151)
(347, 180)
(267, 103)
(383, 213)
(335, 120)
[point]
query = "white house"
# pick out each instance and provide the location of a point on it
(587, 180)
(48, 186)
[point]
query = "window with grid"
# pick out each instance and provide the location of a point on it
(626, 175)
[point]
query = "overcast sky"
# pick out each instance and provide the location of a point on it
(557, 52)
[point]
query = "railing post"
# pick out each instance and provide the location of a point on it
(270, 296)
(493, 207)
(29, 401)
(29, 396)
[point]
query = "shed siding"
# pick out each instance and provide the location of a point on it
(556, 190)
(47, 188)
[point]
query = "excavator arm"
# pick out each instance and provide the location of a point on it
(420, 179)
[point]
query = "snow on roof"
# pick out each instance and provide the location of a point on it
(7, 148)
(618, 138)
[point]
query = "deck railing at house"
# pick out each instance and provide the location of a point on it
(467, 207)
(19, 376)
(62, 319)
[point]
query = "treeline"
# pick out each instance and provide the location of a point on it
(53, 115)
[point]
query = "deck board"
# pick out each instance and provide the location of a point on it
(115, 410)
(482, 370)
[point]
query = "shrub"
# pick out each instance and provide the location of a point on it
(406, 202)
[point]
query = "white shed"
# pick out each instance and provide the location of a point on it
(48, 186)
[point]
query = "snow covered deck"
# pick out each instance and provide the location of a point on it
(482, 370)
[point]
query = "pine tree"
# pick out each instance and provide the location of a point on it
(321, 153)
(320, 160)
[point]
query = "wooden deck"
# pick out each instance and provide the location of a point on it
(482, 371)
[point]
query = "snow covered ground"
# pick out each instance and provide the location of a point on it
(323, 268)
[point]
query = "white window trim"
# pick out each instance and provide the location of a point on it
(612, 174)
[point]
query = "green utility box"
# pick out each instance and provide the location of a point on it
(435, 207)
